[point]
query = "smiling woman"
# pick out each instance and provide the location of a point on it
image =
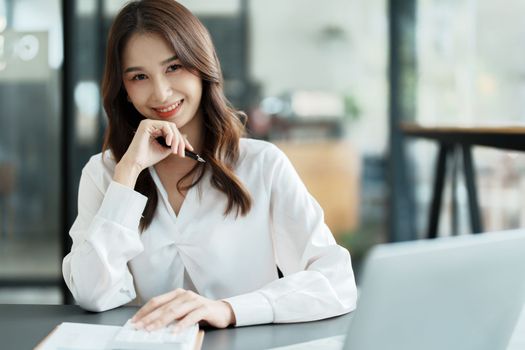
(158, 90)
(147, 41)
(207, 251)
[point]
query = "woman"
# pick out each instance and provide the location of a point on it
(195, 242)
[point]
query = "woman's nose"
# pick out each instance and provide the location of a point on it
(161, 89)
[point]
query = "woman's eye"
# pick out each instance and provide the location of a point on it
(174, 67)
(139, 77)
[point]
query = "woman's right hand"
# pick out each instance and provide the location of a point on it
(144, 151)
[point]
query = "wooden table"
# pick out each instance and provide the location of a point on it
(456, 141)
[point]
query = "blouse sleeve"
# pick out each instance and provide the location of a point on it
(318, 279)
(105, 237)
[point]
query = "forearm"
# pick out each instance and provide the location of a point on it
(96, 268)
(97, 284)
(324, 289)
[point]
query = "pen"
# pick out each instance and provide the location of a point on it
(189, 153)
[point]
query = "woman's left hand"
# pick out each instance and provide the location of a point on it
(185, 306)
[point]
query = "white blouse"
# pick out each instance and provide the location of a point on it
(234, 259)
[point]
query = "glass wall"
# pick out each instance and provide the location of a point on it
(37, 201)
(30, 127)
(470, 72)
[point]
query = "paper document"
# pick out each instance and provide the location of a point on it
(82, 336)
(79, 336)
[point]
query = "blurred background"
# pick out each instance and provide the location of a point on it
(329, 82)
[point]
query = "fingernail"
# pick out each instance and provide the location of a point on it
(150, 328)
(176, 329)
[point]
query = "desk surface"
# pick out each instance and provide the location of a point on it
(23, 326)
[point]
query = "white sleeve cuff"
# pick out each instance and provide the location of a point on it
(251, 309)
(123, 205)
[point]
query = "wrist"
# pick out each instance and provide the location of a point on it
(126, 172)
(230, 314)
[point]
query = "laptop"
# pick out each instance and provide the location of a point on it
(463, 292)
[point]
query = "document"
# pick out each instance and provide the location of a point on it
(82, 336)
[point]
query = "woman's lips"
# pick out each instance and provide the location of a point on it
(170, 111)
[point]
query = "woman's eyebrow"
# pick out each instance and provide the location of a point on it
(133, 69)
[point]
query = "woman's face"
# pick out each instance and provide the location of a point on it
(156, 83)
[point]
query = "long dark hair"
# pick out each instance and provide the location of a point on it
(223, 125)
